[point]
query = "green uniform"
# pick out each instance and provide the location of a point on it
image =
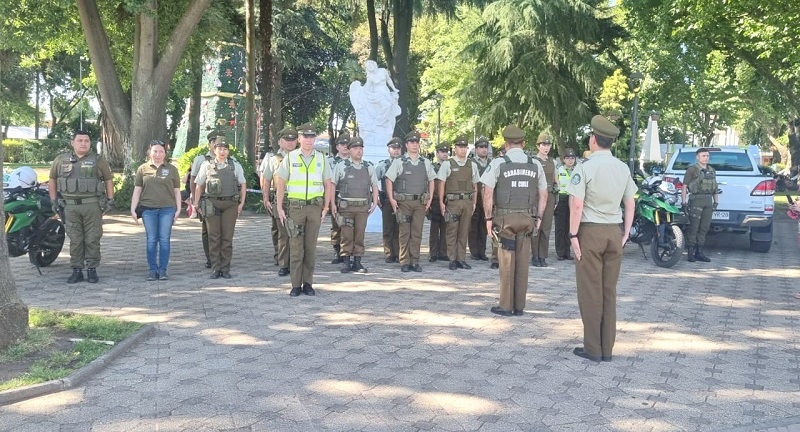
(410, 178)
(198, 162)
(459, 177)
(336, 232)
(279, 234)
(354, 183)
(516, 180)
(81, 181)
(602, 182)
(305, 178)
(540, 244)
(561, 213)
(390, 228)
(702, 186)
(477, 233)
(222, 182)
(437, 239)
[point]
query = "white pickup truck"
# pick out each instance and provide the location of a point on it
(747, 198)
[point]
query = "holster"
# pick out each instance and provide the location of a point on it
(424, 198)
(508, 244)
(401, 217)
(207, 208)
(293, 229)
(496, 236)
(451, 217)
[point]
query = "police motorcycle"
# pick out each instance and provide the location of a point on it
(31, 226)
(657, 221)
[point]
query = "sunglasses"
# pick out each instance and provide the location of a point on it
(157, 143)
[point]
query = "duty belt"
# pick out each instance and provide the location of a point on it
(407, 197)
(227, 198)
(299, 202)
(355, 202)
(501, 212)
(458, 196)
(81, 201)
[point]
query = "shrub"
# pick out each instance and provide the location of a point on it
(32, 152)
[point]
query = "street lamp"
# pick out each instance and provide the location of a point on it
(80, 81)
(634, 82)
(437, 99)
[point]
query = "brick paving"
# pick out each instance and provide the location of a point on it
(700, 346)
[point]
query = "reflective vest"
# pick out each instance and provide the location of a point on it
(517, 185)
(460, 178)
(356, 181)
(79, 178)
(221, 181)
(563, 179)
(305, 181)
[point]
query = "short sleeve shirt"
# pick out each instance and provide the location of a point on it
(283, 169)
(602, 182)
(445, 170)
(158, 184)
(271, 165)
(197, 162)
(397, 167)
(489, 177)
(203, 174)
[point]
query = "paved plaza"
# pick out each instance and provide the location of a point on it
(703, 347)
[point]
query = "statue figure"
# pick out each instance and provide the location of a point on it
(376, 106)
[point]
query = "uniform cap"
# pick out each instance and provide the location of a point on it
(513, 133)
(569, 153)
(394, 142)
(221, 142)
(412, 136)
(482, 142)
(307, 129)
(343, 138)
(544, 138)
(601, 126)
(443, 147)
(461, 141)
(212, 135)
(355, 142)
(288, 133)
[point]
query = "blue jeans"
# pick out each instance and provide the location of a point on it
(158, 226)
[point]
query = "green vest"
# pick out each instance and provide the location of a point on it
(517, 185)
(221, 181)
(356, 181)
(705, 182)
(79, 178)
(460, 178)
(413, 179)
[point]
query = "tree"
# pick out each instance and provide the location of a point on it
(140, 117)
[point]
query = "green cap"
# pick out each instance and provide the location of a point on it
(412, 136)
(443, 147)
(482, 142)
(395, 142)
(461, 141)
(513, 133)
(569, 153)
(307, 129)
(221, 142)
(343, 138)
(544, 138)
(354, 142)
(212, 135)
(601, 126)
(288, 134)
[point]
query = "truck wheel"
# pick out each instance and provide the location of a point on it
(761, 239)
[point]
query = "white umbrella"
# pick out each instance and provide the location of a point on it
(651, 150)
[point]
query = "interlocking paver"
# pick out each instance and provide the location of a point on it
(699, 347)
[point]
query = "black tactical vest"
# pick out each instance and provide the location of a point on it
(517, 185)
(460, 178)
(356, 182)
(221, 181)
(413, 179)
(705, 182)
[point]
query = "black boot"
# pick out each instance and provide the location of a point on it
(347, 267)
(699, 256)
(77, 276)
(357, 267)
(690, 253)
(91, 275)
(336, 258)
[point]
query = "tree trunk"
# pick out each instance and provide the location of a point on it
(267, 68)
(113, 149)
(276, 102)
(386, 42)
(373, 31)
(403, 20)
(249, 102)
(794, 139)
(195, 101)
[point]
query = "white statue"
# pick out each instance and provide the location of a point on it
(376, 107)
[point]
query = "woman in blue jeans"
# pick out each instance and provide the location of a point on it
(157, 194)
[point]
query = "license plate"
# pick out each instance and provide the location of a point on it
(721, 215)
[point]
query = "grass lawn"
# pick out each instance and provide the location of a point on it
(57, 344)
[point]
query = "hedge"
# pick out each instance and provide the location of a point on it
(32, 152)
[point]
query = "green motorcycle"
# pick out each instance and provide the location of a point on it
(657, 222)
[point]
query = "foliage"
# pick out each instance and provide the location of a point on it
(30, 151)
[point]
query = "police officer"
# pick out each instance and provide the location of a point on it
(596, 188)
(304, 180)
(220, 194)
(541, 240)
(561, 213)
(197, 162)
(86, 184)
(437, 239)
(342, 153)
(458, 178)
(287, 142)
(390, 228)
(477, 232)
(515, 191)
(409, 185)
(700, 181)
(357, 184)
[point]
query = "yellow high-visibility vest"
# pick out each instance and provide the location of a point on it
(305, 181)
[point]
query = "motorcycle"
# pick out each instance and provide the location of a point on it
(657, 222)
(31, 225)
